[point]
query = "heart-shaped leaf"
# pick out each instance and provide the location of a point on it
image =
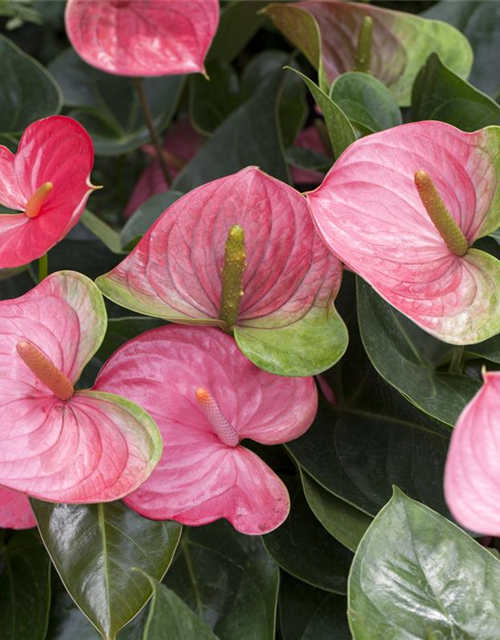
(95, 549)
(416, 575)
(143, 38)
(327, 33)
(220, 570)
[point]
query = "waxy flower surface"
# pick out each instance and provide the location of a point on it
(143, 37)
(57, 443)
(48, 180)
(472, 474)
(206, 397)
(402, 208)
(327, 32)
(15, 510)
(240, 253)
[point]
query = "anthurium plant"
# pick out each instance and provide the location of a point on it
(249, 320)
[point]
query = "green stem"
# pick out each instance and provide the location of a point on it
(456, 360)
(148, 118)
(232, 276)
(363, 55)
(43, 267)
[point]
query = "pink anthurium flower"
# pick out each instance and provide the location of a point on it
(333, 36)
(15, 510)
(143, 37)
(402, 208)
(48, 180)
(240, 253)
(472, 473)
(180, 145)
(58, 444)
(206, 397)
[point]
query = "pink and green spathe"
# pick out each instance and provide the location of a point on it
(143, 37)
(57, 443)
(206, 398)
(48, 181)
(240, 253)
(403, 207)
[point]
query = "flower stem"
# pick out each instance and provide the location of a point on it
(232, 276)
(363, 55)
(148, 118)
(43, 267)
(456, 360)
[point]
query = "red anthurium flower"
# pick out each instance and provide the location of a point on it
(240, 253)
(330, 34)
(48, 180)
(472, 474)
(206, 397)
(58, 444)
(15, 510)
(181, 144)
(402, 208)
(143, 37)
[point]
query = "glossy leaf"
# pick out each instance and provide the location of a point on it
(380, 228)
(106, 234)
(343, 521)
(108, 106)
(408, 358)
(95, 557)
(416, 575)
(239, 21)
(440, 94)
(229, 580)
(22, 78)
(278, 313)
(305, 549)
(480, 23)
(327, 33)
(307, 613)
(155, 38)
(205, 474)
(367, 103)
(24, 587)
(56, 152)
(84, 447)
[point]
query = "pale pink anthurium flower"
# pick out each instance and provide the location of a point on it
(206, 397)
(143, 37)
(472, 473)
(402, 209)
(57, 443)
(15, 510)
(240, 253)
(48, 181)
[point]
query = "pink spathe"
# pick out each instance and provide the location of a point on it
(93, 447)
(15, 510)
(369, 213)
(143, 37)
(200, 478)
(472, 474)
(55, 150)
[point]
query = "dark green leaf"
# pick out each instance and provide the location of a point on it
(367, 103)
(305, 549)
(24, 587)
(108, 105)
(407, 357)
(339, 128)
(212, 100)
(343, 521)
(307, 613)
(249, 136)
(94, 549)
(100, 229)
(308, 159)
(171, 619)
(480, 22)
(439, 94)
(27, 90)
(229, 580)
(416, 575)
(142, 219)
(92, 258)
(239, 22)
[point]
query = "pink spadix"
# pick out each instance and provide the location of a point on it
(52, 377)
(35, 203)
(225, 431)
